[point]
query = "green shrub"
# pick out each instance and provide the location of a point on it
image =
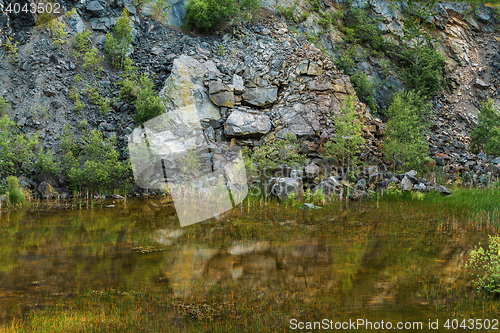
(365, 90)
(486, 135)
(16, 150)
(46, 164)
(485, 266)
(81, 43)
(91, 163)
(346, 61)
(206, 15)
(360, 28)
(57, 33)
(119, 44)
(82, 125)
(221, 51)
(304, 16)
(405, 142)
(315, 5)
(75, 96)
(15, 195)
(96, 97)
(422, 69)
(421, 64)
(11, 49)
(92, 61)
(148, 104)
(348, 136)
(3, 105)
(287, 12)
(271, 154)
(158, 13)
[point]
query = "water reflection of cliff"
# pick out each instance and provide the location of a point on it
(306, 263)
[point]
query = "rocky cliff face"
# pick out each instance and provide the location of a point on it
(258, 82)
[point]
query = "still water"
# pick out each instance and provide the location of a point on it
(392, 262)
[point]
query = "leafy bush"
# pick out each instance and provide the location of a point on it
(95, 96)
(365, 90)
(486, 135)
(287, 12)
(46, 164)
(207, 15)
(346, 61)
(57, 33)
(119, 44)
(3, 105)
(360, 28)
(15, 149)
(92, 61)
(92, 162)
(75, 96)
(158, 8)
(485, 266)
(405, 142)
(268, 156)
(148, 104)
(315, 5)
(348, 135)
(421, 64)
(11, 49)
(15, 195)
(422, 69)
(81, 43)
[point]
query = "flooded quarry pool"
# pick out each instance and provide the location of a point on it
(262, 267)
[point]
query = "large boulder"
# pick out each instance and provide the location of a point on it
(184, 92)
(261, 96)
(281, 188)
(247, 123)
(300, 119)
(76, 23)
(95, 8)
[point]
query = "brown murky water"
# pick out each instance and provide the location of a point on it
(374, 261)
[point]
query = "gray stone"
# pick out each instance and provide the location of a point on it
(281, 188)
(76, 23)
(302, 67)
(443, 190)
(95, 8)
(301, 119)
(308, 206)
(223, 98)
(484, 14)
(406, 184)
(496, 160)
(419, 187)
(439, 161)
(238, 84)
(100, 24)
(481, 84)
(411, 173)
(315, 68)
(215, 87)
(261, 96)
(3, 20)
(243, 123)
